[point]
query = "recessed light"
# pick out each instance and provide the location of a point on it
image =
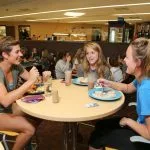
(74, 14)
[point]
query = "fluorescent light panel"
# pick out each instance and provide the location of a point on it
(103, 20)
(52, 19)
(132, 14)
(74, 14)
(92, 21)
(76, 9)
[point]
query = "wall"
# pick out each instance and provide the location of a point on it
(41, 29)
(109, 49)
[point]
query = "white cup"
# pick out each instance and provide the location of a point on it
(68, 76)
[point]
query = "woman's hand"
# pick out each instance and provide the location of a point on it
(104, 82)
(46, 75)
(124, 121)
(34, 74)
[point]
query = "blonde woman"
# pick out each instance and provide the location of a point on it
(94, 64)
(116, 133)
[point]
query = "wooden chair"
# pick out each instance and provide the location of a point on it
(11, 134)
(1, 146)
(108, 148)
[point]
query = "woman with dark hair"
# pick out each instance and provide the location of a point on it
(63, 64)
(10, 70)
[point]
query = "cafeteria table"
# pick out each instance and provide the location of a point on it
(71, 108)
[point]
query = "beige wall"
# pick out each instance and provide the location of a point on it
(41, 29)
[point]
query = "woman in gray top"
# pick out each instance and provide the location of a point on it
(10, 70)
(63, 64)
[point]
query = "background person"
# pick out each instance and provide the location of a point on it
(63, 64)
(77, 63)
(115, 69)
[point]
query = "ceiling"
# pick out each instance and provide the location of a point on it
(54, 10)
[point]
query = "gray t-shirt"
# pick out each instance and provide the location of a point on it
(16, 71)
(61, 67)
(93, 75)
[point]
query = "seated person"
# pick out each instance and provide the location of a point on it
(63, 64)
(77, 63)
(94, 64)
(115, 69)
(123, 66)
(10, 71)
(116, 133)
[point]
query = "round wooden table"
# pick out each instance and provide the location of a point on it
(71, 107)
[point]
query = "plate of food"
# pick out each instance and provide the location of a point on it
(33, 98)
(80, 81)
(105, 94)
(36, 89)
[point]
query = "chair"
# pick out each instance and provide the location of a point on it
(137, 138)
(4, 140)
(108, 148)
(1, 146)
(11, 134)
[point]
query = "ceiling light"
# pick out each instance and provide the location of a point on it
(73, 14)
(103, 20)
(132, 19)
(92, 21)
(51, 19)
(131, 14)
(76, 9)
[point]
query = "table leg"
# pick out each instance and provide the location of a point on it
(67, 127)
(65, 132)
(74, 135)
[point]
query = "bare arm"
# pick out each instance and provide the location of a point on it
(25, 75)
(7, 98)
(141, 129)
(125, 88)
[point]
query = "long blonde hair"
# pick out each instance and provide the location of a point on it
(101, 63)
(141, 50)
(78, 55)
